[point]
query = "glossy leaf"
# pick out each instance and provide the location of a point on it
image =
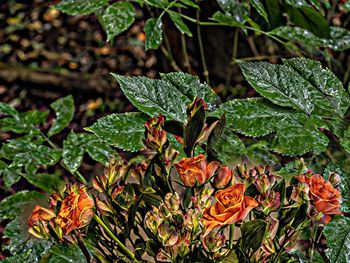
(74, 147)
(10, 175)
(337, 233)
(64, 109)
(192, 87)
(253, 117)
(154, 97)
(8, 110)
(47, 182)
(154, 33)
(189, 3)
(158, 3)
(12, 206)
(80, 7)
(235, 10)
(179, 23)
(339, 40)
(24, 122)
(259, 7)
(22, 245)
(229, 148)
(280, 84)
(117, 18)
(225, 19)
(66, 254)
(328, 92)
(125, 130)
(253, 234)
(100, 151)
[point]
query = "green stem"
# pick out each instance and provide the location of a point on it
(232, 234)
(110, 233)
(234, 55)
(201, 50)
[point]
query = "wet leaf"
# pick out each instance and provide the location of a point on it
(64, 108)
(154, 97)
(66, 254)
(117, 18)
(124, 131)
(8, 110)
(24, 122)
(179, 23)
(80, 7)
(154, 33)
(337, 233)
(280, 84)
(259, 7)
(100, 151)
(46, 182)
(10, 175)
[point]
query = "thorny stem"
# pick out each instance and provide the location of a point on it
(77, 174)
(201, 49)
(111, 234)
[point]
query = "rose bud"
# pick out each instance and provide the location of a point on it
(39, 220)
(231, 206)
(191, 221)
(172, 201)
(334, 179)
(213, 242)
(155, 136)
(223, 177)
(322, 194)
(76, 210)
(264, 180)
(195, 171)
(167, 234)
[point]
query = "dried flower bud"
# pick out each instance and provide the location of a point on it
(104, 207)
(192, 221)
(172, 201)
(39, 220)
(152, 220)
(213, 242)
(269, 202)
(167, 234)
(222, 177)
(155, 136)
(264, 180)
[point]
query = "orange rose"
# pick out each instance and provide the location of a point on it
(231, 206)
(195, 171)
(324, 196)
(76, 210)
(39, 220)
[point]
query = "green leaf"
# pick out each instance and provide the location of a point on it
(24, 122)
(192, 87)
(259, 153)
(225, 19)
(154, 96)
(158, 3)
(229, 148)
(190, 3)
(66, 254)
(124, 131)
(10, 175)
(301, 138)
(339, 39)
(280, 84)
(154, 33)
(308, 18)
(80, 7)
(22, 245)
(8, 110)
(253, 117)
(64, 109)
(230, 258)
(235, 9)
(179, 23)
(292, 169)
(74, 147)
(337, 233)
(117, 18)
(47, 182)
(259, 7)
(328, 93)
(252, 234)
(100, 151)
(12, 206)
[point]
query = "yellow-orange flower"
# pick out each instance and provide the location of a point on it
(324, 196)
(39, 220)
(76, 210)
(195, 171)
(231, 206)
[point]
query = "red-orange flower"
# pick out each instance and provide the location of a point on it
(223, 177)
(76, 210)
(231, 206)
(195, 171)
(324, 196)
(39, 220)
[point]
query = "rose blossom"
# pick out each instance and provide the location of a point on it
(231, 206)
(195, 171)
(39, 220)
